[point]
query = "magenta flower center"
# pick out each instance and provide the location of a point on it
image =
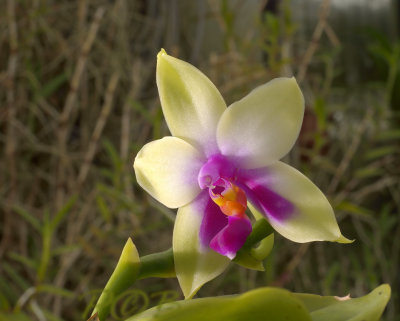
(225, 225)
(219, 175)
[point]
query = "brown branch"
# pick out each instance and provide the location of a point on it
(287, 274)
(139, 77)
(70, 103)
(80, 67)
(101, 121)
(10, 148)
(312, 47)
(333, 38)
(74, 226)
(126, 124)
(344, 164)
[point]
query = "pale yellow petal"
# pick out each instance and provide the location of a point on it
(263, 126)
(312, 218)
(167, 169)
(191, 104)
(194, 264)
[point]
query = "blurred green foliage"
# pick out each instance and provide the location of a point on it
(79, 99)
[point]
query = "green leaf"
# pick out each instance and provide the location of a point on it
(54, 84)
(26, 261)
(50, 316)
(62, 212)
(277, 304)
(320, 111)
(4, 304)
(119, 196)
(48, 288)
(17, 316)
(366, 308)
(30, 218)
(113, 154)
(388, 134)
(124, 275)
(61, 250)
(257, 305)
(368, 172)
(380, 152)
(8, 293)
(353, 209)
(46, 249)
(103, 208)
(15, 276)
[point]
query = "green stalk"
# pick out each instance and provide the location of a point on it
(161, 265)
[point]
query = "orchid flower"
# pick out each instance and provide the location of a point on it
(221, 160)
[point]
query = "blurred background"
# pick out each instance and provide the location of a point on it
(78, 99)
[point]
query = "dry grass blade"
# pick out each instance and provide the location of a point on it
(70, 103)
(105, 112)
(345, 162)
(11, 142)
(312, 47)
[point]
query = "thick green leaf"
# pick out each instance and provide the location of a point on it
(366, 308)
(273, 303)
(124, 275)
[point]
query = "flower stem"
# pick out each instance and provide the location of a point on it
(161, 265)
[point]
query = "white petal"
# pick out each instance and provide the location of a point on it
(194, 264)
(263, 126)
(312, 217)
(191, 104)
(167, 169)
